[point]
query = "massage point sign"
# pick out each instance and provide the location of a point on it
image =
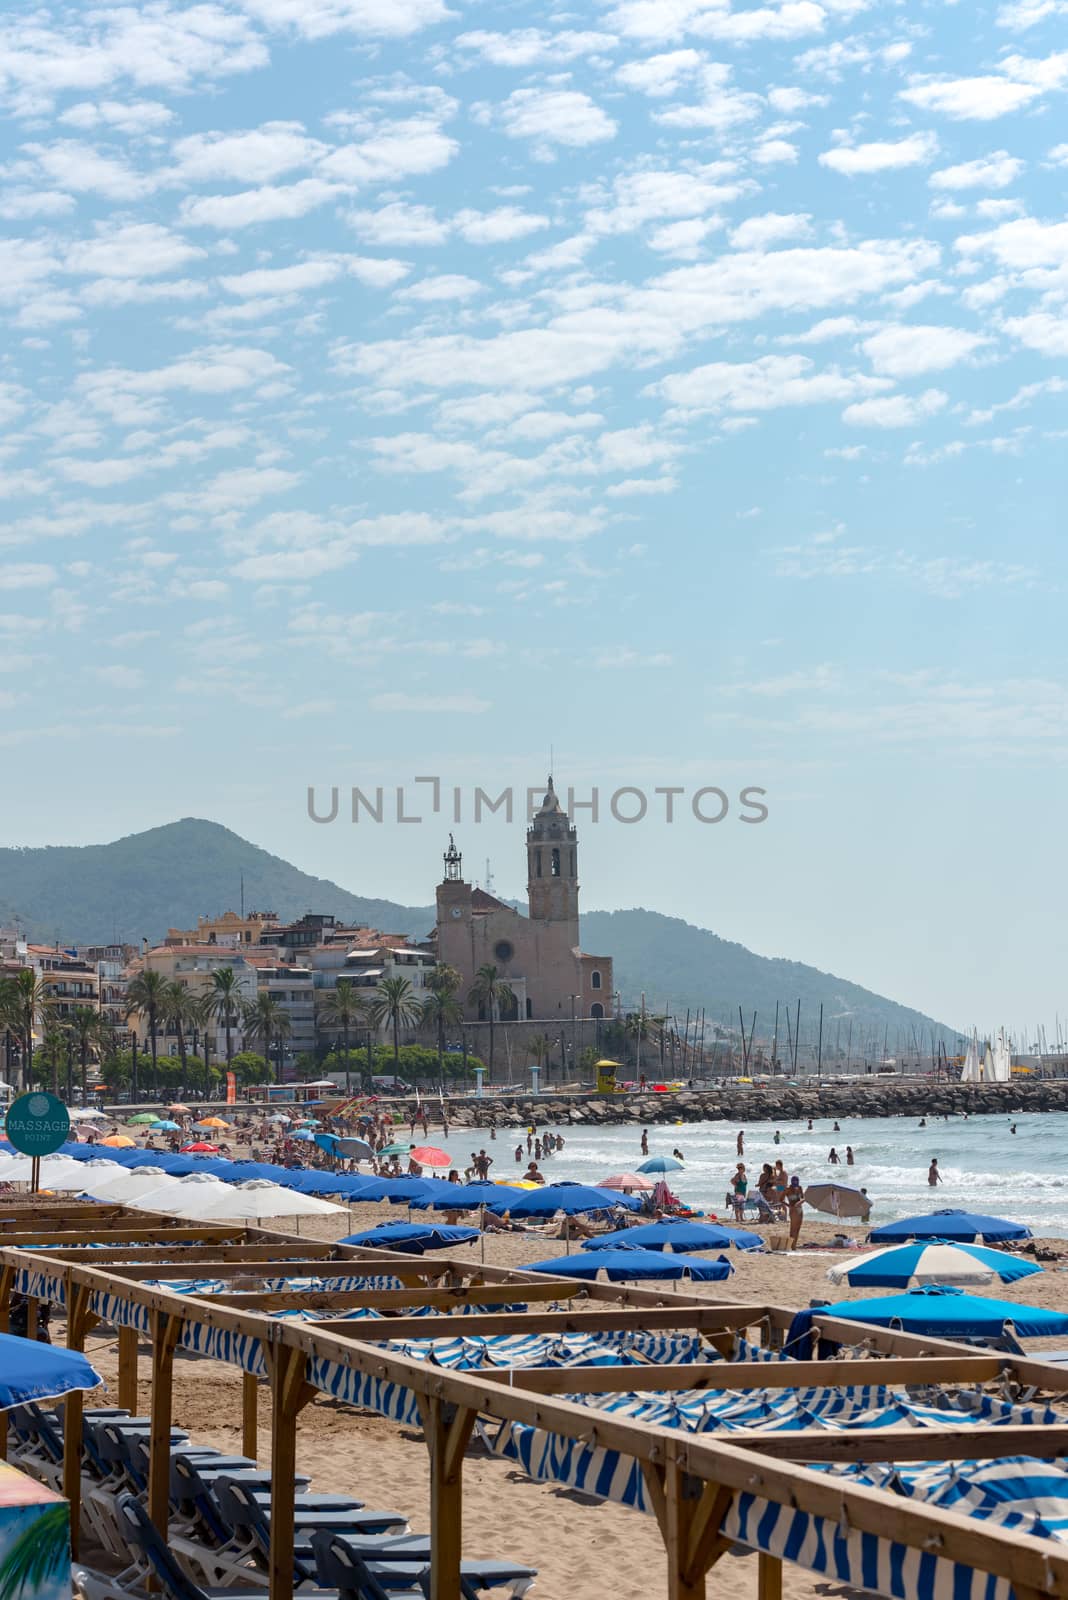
(37, 1123)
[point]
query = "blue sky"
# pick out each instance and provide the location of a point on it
(394, 387)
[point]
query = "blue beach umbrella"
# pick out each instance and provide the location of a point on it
(950, 1224)
(165, 1126)
(905, 1265)
(570, 1198)
(30, 1371)
(938, 1309)
(622, 1266)
(412, 1237)
(679, 1235)
(400, 1191)
(304, 1134)
(442, 1196)
(660, 1164)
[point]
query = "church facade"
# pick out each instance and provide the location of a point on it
(539, 956)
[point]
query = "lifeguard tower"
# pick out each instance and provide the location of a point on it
(606, 1076)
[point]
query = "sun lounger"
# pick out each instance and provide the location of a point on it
(247, 1514)
(340, 1560)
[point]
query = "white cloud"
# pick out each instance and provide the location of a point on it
(120, 677)
(499, 226)
(393, 150)
(125, 116)
(660, 74)
(1020, 244)
(905, 350)
(895, 410)
(653, 194)
(881, 155)
(763, 385)
(81, 169)
(273, 203)
(320, 19)
(255, 156)
(529, 47)
(986, 97)
(26, 575)
(756, 233)
(995, 171)
(1042, 331)
(555, 116)
(131, 250)
(667, 20)
(443, 286)
(399, 223)
(283, 280)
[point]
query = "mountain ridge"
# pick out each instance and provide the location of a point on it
(139, 885)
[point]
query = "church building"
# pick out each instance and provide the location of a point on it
(539, 955)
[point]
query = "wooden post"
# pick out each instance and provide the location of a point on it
(31, 1316)
(689, 1513)
(769, 1577)
(77, 1322)
(165, 1330)
(447, 1429)
(289, 1393)
(128, 1370)
(249, 1414)
(7, 1277)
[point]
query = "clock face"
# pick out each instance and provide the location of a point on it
(456, 912)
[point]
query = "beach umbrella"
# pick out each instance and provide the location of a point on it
(305, 1135)
(275, 1116)
(260, 1198)
(32, 1371)
(625, 1266)
(940, 1309)
(395, 1150)
(839, 1199)
(119, 1141)
(680, 1235)
(428, 1155)
(354, 1149)
(903, 1265)
(627, 1181)
(570, 1198)
(183, 1197)
(55, 1170)
(517, 1183)
(82, 1176)
(87, 1114)
(198, 1147)
(178, 1107)
(412, 1237)
(129, 1185)
(166, 1126)
(211, 1122)
(438, 1196)
(141, 1117)
(661, 1164)
(950, 1224)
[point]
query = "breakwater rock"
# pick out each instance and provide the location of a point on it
(771, 1102)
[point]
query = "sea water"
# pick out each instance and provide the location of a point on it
(984, 1166)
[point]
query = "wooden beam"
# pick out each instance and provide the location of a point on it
(585, 1318)
(289, 1393)
(1044, 1440)
(166, 1326)
(769, 1577)
(681, 1495)
(745, 1374)
(7, 1275)
(447, 1429)
(250, 1397)
(42, 1238)
(128, 1342)
(78, 1319)
(143, 1260)
(383, 1299)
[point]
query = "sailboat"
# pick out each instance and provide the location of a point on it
(1001, 1061)
(971, 1072)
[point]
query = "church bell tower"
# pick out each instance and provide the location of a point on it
(552, 865)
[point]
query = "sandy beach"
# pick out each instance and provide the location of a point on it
(582, 1548)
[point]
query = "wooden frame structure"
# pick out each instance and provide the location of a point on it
(691, 1479)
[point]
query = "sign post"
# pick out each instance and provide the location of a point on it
(37, 1124)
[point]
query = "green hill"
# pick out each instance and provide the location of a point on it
(139, 886)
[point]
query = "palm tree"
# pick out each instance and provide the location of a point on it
(539, 1048)
(226, 1002)
(342, 1008)
(89, 1030)
(441, 1009)
(489, 993)
(36, 1561)
(146, 995)
(31, 1004)
(180, 1012)
(265, 1019)
(395, 1002)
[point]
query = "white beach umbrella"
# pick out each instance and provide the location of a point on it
(128, 1183)
(83, 1175)
(88, 1114)
(261, 1198)
(182, 1197)
(55, 1167)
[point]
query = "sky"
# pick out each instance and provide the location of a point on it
(669, 390)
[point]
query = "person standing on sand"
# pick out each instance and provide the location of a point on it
(645, 1141)
(793, 1200)
(739, 1190)
(934, 1177)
